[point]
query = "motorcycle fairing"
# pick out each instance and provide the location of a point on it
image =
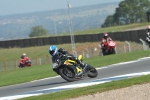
(80, 57)
(69, 62)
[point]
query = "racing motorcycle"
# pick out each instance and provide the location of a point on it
(70, 70)
(148, 44)
(109, 48)
(148, 40)
(26, 64)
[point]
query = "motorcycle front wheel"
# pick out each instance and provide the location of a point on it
(67, 74)
(91, 71)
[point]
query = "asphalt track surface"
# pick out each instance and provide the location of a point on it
(136, 66)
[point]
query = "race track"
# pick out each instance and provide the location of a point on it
(52, 84)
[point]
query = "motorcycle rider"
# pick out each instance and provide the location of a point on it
(55, 53)
(148, 35)
(104, 41)
(23, 59)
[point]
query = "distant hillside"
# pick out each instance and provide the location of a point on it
(86, 17)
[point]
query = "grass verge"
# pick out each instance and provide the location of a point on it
(17, 76)
(111, 29)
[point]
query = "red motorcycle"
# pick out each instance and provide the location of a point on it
(26, 64)
(109, 48)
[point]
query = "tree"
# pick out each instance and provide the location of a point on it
(38, 31)
(130, 11)
(108, 22)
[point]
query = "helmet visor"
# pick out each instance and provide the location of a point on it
(51, 52)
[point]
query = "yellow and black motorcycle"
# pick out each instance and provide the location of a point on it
(70, 70)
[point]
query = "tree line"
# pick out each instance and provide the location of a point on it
(128, 12)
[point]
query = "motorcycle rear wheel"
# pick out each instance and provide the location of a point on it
(67, 74)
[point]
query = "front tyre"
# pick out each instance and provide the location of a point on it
(149, 44)
(67, 74)
(91, 71)
(113, 51)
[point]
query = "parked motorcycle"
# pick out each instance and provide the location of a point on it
(70, 70)
(109, 48)
(26, 64)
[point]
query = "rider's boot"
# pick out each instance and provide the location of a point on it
(80, 63)
(83, 65)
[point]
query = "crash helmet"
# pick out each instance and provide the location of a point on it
(23, 55)
(53, 50)
(105, 35)
(148, 29)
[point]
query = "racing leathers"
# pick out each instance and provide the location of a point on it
(148, 38)
(104, 43)
(23, 60)
(62, 53)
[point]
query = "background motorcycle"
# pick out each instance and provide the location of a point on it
(70, 70)
(148, 42)
(27, 64)
(110, 48)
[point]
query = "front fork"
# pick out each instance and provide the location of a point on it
(77, 70)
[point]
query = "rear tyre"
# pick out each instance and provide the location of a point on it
(20, 65)
(67, 74)
(149, 44)
(104, 53)
(91, 71)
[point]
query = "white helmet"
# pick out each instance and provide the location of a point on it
(105, 34)
(148, 29)
(23, 54)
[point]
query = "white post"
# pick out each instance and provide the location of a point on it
(116, 49)
(99, 46)
(128, 45)
(87, 54)
(101, 53)
(93, 50)
(75, 53)
(144, 44)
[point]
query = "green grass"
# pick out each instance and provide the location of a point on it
(32, 52)
(112, 29)
(25, 74)
(109, 29)
(16, 76)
